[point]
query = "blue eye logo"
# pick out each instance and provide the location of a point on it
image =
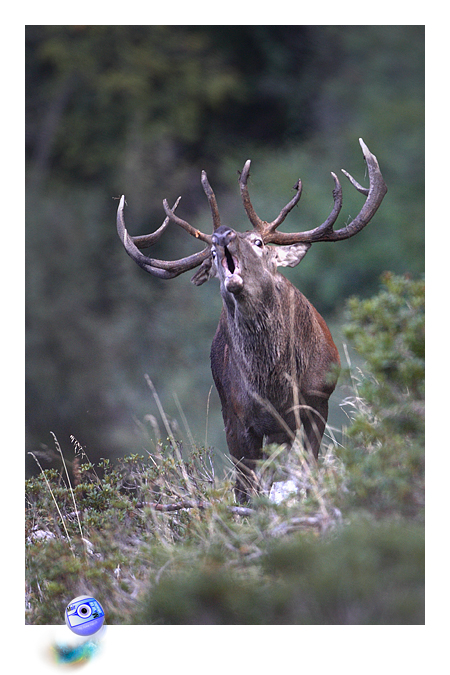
(84, 615)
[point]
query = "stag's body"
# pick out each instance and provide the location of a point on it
(273, 359)
(275, 365)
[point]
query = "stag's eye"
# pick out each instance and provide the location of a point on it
(258, 242)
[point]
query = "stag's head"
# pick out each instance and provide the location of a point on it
(246, 262)
(245, 265)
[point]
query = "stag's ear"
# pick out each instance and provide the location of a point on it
(205, 272)
(290, 256)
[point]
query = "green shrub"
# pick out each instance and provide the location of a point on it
(363, 573)
(91, 533)
(384, 455)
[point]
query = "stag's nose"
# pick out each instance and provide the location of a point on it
(223, 236)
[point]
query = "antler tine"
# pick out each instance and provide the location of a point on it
(337, 197)
(255, 220)
(317, 233)
(374, 196)
(185, 225)
(262, 226)
(147, 240)
(286, 209)
(360, 188)
(212, 201)
(164, 269)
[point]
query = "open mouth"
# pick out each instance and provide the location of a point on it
(228, 261)
(231, 276)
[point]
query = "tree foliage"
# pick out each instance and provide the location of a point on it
(192, 88)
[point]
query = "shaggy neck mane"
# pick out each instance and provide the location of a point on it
(262, 335)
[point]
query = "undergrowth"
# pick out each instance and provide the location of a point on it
(158, 538)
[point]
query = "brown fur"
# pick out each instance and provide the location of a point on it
(273, 360)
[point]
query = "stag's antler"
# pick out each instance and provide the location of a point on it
(167, 269)
(375, 193)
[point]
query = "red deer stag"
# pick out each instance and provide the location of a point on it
(273, 359)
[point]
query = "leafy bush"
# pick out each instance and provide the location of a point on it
(86, 534)
(384, 456)
(361, 574)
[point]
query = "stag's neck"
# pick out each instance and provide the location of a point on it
(266, 334)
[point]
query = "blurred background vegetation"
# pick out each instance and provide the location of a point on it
(140, 111)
